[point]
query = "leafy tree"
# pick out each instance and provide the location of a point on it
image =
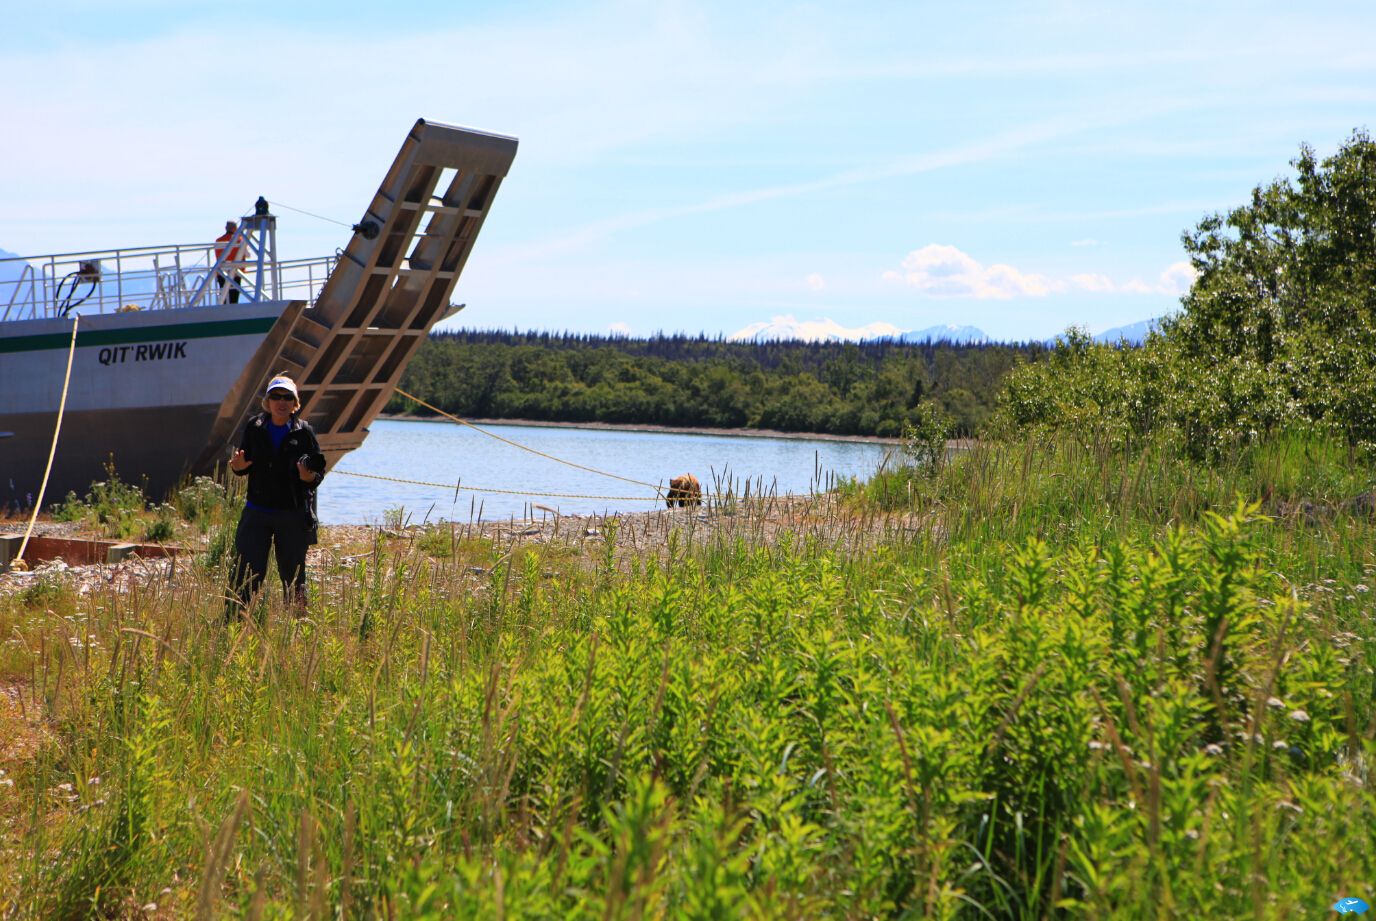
(1285, 300)
(1278, 329)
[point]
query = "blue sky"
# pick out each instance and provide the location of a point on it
(1019, 167)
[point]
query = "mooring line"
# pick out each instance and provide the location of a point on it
(18, 561)
(549, 495)
(516, 444)
(508, 492)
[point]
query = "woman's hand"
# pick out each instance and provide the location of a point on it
(306, 474)
(239, 462)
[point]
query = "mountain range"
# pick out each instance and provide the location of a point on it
(788, 327)
(11, 273)
(1133, 333)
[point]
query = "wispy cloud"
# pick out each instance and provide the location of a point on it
(993, 147)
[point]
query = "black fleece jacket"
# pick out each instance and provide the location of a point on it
(273, 481)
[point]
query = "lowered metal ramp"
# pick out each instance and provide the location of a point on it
(392, 283)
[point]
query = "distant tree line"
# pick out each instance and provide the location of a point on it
(870, 388)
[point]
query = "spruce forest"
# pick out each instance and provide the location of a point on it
(870, 388)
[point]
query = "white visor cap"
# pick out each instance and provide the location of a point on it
(282, 383)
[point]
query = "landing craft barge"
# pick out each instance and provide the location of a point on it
(173, 344)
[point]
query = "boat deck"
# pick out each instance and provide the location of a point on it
(346, 325)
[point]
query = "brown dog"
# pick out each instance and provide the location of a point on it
(684, 490)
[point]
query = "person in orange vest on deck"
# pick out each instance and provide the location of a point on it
(229, 271)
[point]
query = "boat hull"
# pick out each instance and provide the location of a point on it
(145, 394)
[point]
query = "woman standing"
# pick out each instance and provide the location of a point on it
(281, 457)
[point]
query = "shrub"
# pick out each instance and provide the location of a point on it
(163, 526)
(204, 501)
(112, 505)
(925, 437)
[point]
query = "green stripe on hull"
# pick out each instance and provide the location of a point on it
(99, 337)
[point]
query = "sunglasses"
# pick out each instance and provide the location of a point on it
(282, 396)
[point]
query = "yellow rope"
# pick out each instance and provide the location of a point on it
(18, 562)
(526, 492)
(558, 460)
(508, 492)
(658, 488)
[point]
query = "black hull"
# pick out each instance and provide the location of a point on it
(148, 447)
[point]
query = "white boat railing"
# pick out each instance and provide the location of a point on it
(157, 278)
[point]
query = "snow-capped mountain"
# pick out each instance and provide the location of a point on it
(960, 335)
(788, 327)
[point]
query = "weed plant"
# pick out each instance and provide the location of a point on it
(112, 507)
(121, 510)
(1090, 686)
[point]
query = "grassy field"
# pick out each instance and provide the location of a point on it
(1084, 684)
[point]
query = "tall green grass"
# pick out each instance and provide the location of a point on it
(1070, 684)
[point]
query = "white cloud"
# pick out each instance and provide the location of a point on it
(944, 271)
(1085, 242)
(1178, 278)
(787, 326)
(939, 270)
(815, 282)
(1174, 280)
(619, 329)
(1092, 282)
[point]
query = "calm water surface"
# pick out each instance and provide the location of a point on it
(445, 452)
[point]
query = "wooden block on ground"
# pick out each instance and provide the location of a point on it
(118, 552)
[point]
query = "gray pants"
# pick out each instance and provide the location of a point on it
(259, 530)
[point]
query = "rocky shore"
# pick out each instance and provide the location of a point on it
(630, 535)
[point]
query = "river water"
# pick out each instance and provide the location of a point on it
(444, 452)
